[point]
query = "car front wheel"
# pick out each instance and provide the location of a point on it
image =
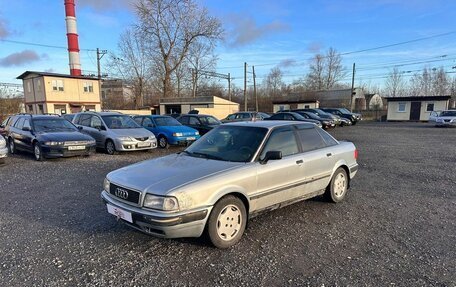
(337, 188)
(162, 142)
(227, 222)
(110, 147)
(38, 152)
(11, 146)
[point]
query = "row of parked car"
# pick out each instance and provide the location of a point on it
(50, 136)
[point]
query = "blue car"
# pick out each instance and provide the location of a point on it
(168, 130)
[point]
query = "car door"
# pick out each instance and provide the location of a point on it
(195, 123)
(279, 180)
(150, 125)
(97, 130)
(27, 135)
(318, 157)
(16, 133)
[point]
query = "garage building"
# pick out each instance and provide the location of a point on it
(212, 105)
(415, 108)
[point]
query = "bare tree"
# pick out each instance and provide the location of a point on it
(200, 58)
(325, 71)
(440, 82)
(170, 27)
(132, 63)
(274, 83)
(395, 84)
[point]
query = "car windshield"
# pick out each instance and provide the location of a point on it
(344, 110)
(209, 120)
(54, 124)
(312, 115)
(228, 143)
(448, 114)
(166, 122)
(120, 122)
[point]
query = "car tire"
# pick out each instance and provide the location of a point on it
(37, 152)
(338, 186)
(162, 142)
(11, 146)
(110, 147)
(227, 222)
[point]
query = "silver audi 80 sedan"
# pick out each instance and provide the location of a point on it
(232, 173)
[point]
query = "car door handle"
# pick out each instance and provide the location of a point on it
(329, 154)
(299, 161)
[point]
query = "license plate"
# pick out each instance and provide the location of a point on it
(120, 213)
(76, 147)
(191, 138)
(143, 144)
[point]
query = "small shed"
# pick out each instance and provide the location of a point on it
(212, 105)
(415, 108)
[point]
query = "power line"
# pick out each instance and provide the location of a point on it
(41, 45)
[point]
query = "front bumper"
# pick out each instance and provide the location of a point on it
(184, 140)
(63, 151)
(162, 224)
(3, 152)
(134, 145)
(446, 124)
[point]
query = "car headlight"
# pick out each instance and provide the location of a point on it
(197, 133)
(152, 137)
(125, 138)
(51, 143)
(177, 134)
(106, 185)
(166, 203)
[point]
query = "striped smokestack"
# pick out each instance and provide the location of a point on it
(72, 36)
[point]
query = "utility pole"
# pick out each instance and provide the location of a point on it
(254, 89)
(194, 79)
(100, 54)
(352, 88)
(245, 86)
(229, 86)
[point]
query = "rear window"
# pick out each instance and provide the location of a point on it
(310, 139)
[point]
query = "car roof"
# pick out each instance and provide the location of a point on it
(197, 115)
(269, 124)
(103, 113)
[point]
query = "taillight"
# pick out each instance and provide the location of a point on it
(356, 154)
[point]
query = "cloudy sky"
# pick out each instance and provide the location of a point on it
(374, 34)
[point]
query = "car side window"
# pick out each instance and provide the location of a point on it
(288, 117)
(194, 121)
(283, 140)
(95, 122)
(184, 120)
(138, 120)
(84, 120)
(279, 117)
(19, 123)
(147, 122)
(310, 139)
(245, 116)
(329, 140)
(26, 124)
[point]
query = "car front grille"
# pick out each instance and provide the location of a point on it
(124, 193)
(142, 139)
(76, 143)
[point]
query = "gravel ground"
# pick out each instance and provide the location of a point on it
(396, 227)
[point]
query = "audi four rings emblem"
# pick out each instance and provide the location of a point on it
(122, 193)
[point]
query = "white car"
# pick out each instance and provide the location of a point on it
(443, 118)
(3, 149)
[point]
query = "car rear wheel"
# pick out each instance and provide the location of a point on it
(38, 152)
(162, 142)
(110, 147)
(337, 188)
(11, 146)
(227, 222)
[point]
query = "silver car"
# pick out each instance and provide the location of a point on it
(232, 173)
(115, 131)
(443, 118)
(3, 149)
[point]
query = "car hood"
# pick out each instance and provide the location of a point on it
(446, 118)
(162, 175)
(136, 133)
(178, 129)
(63, 136)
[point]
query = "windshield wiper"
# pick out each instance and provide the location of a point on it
(208, 156)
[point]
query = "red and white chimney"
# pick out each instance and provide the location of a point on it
(72, 36)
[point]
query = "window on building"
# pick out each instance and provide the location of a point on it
(90, 108)
(40, 109)
(30, 108)
(306, 106)
(38, 85)
(430, 107)
(57, 85)
(60, 109)
(29, 86)
(401, 107)
(88, 87)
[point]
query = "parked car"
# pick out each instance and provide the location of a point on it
(292, 116)
(325, 122)
(245, 116)
(69, 117)
(173, 115)
(344, 113)
(201, 123)
(234, 172)
(4, 126)
(168, 130)
(115, 132)
(321, 114)
(444, 118)
(3, 150)
(47, 136)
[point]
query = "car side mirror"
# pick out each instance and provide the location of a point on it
(80, 128)
(26, 129)
(271, 155)
(102, 128)
(151, 126)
